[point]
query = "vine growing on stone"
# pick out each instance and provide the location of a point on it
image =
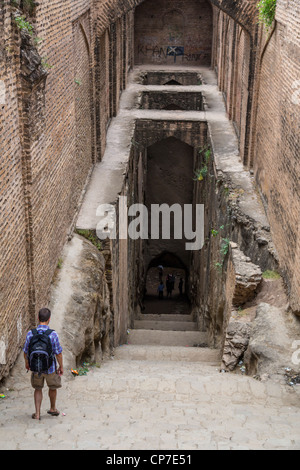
(267, 10)
(24, 25)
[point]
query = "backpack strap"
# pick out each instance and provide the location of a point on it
(48, 332)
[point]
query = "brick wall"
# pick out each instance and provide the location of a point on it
(62, 156)
(15, 275)
(276, 146)
(62, 86)
(258, 74)
(231, 60)
(173, 31)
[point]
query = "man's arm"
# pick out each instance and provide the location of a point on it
(25, 349)
(59, 358)
(57, 351)
(26, 361)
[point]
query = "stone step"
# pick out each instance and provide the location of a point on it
(166, 317)
(166, 338)
(157, 353)
(165, 325)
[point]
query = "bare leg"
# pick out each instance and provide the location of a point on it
(52, 396)
(38, 397)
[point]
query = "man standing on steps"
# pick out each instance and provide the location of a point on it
(53, 374)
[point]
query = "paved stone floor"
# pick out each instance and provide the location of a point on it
(153, 404)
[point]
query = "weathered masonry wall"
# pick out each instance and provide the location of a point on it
(231, 60)
(172, 101)
(14, 255)
(276, 139)
(159, 77)
(169, 32)
(62, 78)
(258, 74)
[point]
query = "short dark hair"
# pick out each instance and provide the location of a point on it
(44, 315)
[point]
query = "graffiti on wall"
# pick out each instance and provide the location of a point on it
(175, 51)
(163, 52)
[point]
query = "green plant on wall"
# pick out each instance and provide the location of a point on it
(45, 64)
(267, 10)
(215, 232)
(24, 25)
(225, 246)
(201, 173)
(91, 236)
(225, 242)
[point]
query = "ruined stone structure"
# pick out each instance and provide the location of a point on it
(94, 94)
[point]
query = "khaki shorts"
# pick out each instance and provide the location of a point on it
(53, 381)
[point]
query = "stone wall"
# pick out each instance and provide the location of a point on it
(169, 163)
(276, 144)
(231, 60)
(258, 73)
(172, 100)
(224, 278)
(169, 32)
(80, 304)
(15, 269)
(62, 79)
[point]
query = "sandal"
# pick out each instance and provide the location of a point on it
(34, 417)
(53, 413)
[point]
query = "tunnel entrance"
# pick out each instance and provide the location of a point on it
(171, 302)
(172, 82)
(166, 157)
(169, 270)
(169, 181)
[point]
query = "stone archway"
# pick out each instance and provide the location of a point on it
(169, 269)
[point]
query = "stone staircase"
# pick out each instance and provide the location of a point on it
(159, 337)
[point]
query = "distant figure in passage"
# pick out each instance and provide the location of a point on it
(169, 286)
(160, 272)
(172, 282)
(180, 286)
(160, 290)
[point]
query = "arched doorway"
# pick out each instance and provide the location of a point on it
(169, 270)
